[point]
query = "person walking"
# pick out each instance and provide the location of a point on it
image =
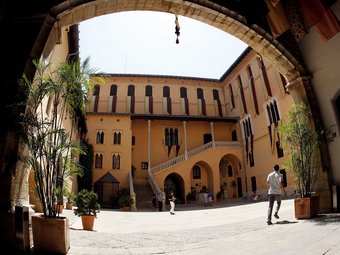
(160, 201)
(172, 200)
(275, 182)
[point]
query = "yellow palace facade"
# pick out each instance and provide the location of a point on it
(153, 134)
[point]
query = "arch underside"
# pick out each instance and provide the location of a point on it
(218, 16)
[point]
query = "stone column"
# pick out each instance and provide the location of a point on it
(185, 140)
(149, 145)
(212, 133)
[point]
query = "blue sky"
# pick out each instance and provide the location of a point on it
(143, 42)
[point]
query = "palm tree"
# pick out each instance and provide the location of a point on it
(56, 92)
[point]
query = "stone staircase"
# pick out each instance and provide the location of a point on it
(143, 193)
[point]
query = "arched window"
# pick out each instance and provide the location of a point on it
(166, 91)
(148, 91)
(100, 137)
(253, 91)
(131, 90)
(184, 101)
(231, 94)
(98, 161)
(201, 102)
(113, 98)
(115, 161)
(148, 99)
(166, 100)
(217, 103)
(95, 98)
(171, 136)
(243, 99)
(117, 137)
(130, 102)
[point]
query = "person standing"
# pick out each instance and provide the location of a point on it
(153, 202)
(172, 200)
(160, 202)
(275, 182)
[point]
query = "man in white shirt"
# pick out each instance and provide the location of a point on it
(275, 182)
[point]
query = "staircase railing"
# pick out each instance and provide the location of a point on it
(175, 161)
(154, 186)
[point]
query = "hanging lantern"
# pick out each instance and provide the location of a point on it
(177, 28)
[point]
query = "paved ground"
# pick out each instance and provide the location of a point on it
(239, 228)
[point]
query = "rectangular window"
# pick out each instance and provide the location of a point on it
(144, 165)
(196, 172)
(133, 142)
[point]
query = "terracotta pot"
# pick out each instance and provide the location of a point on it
(307, 207)
(87, 221)
(69, 206)
(59, 208)
(50, 235)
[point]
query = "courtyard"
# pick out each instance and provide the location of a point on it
(228, 228)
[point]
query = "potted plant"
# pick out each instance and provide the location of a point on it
(87, 207)
(301, 142)
(70, 198)
(125, 202)
(50, 150)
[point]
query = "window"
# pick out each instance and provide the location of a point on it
(95, 98)
(171, 136)
(115, 161)
(148, 99)
(273, 118)
(166, 100)
(144, 165)
(249, 139)
(231, 94)
(196, 172)
(117, 137)
(133, 142)
(130, 102)
(253, 91)
(273, 112)
(98, 161)
(113, 98)
(184, 101)
(100, 137)
(264, 75)
(217, 103)
(243, 100)
(201, 102)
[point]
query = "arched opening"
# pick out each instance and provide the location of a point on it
(174, 182)
(231, 177)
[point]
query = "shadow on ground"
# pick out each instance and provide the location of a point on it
(286, 222)
(329, 218)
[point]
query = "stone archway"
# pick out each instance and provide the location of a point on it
(217, 15)
(221, 15)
